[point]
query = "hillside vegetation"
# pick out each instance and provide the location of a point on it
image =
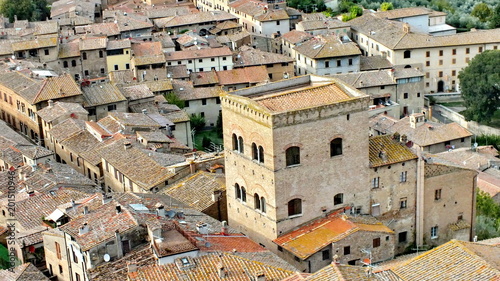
(462, 14)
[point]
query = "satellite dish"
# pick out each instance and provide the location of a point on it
(107, 258)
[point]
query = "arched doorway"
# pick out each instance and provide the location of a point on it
(440, 86)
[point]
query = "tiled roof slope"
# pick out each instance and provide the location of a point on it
(206, 268)
(455, 260)
(305, 98)
(311, 25)
(192, 19)
(101, 94)
(252, 74)
(196, 191)
(196, 54)
(142, 256)
(393, 150)
(50, 113)
(23, 272)
(314, 236)
(30, 211)
(249, 56)
(392, 35)
(102, 225)
(34, 44)
(296, 36)
(327, 47)
(57, 87)
(403, 13)
(340, 272)
(145, 172)
(429, 133)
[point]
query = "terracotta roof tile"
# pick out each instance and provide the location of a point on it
(314, 236)
(148, 178)
(195, 54)
(469, 261)
(102, 223)
(206, 268)
(193, 19)
(92, 43)
(252, 75)
(393, 151)
(304, 98)
(429, 133)
(23, 272)
(196, 191)
(69, 50)
(327, 47)
(296, 36)
(249, 57)
(102, 94)
(59, 109)
(34, 44)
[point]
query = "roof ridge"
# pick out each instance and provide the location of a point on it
(39, 91)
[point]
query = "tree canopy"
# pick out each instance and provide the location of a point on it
(482, 11)
(386, 6)
(480, 86)
(32, 10)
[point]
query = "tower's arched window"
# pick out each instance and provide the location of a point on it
(255, 152)
(240, 145)
(261, 154)
(235, 142)
(256, 200)
(237, 191)
(263, 204)
(243, 194)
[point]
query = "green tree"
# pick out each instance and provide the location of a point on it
(172, 98)
(480, 86)
(488, 216)
(205, 142)
(197, 122)
(386, 6)
(356, 11)
(495, 17)
(33, 10)
(218, 125)
(481, 11)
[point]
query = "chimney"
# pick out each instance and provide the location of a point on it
(51, 103)
(127, 145)
(222, 270)
(406, 28)
(85, 210)
(73, 204)
(260, 276)
(118, 209)
(383, 155)
(404, 139)
(132, 267)
(84, 229)
(161, 211)
(192, 167)
(224, 229)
